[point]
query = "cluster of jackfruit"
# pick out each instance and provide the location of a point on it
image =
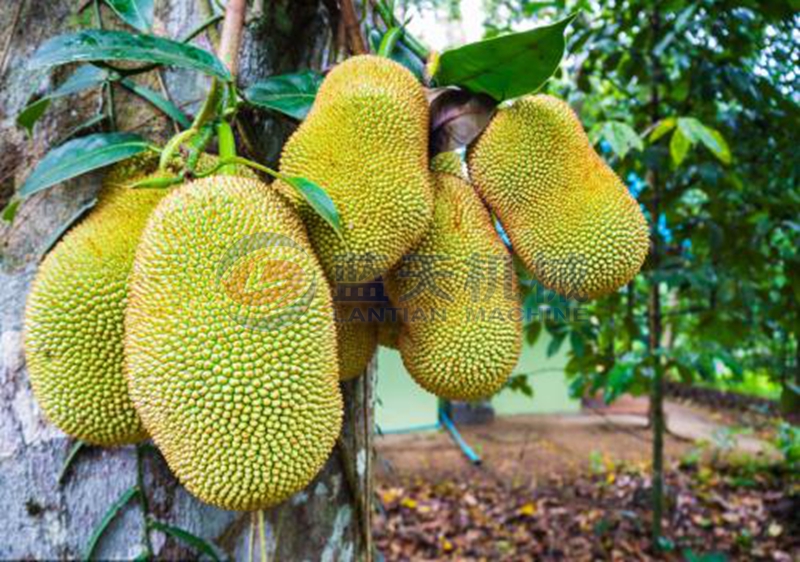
(202, 316)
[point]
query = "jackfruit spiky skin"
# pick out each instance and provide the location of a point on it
(365, 142)
(467, 346)
(230, 344)
(357, 339)
(389, 330)
(74, 315)
(569, 217)
(449, 163)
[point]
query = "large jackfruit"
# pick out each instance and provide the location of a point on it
(365, 141)
(230, 344)
(463, 334)
(569, 217)
(357, 339)
(74, 315)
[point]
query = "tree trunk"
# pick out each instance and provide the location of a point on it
(43, 519)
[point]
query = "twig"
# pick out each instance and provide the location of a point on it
(231, 39)
(355, 39)
(12, 30)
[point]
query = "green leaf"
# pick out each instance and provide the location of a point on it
(104, 45)
(73, 453)
(710, 138)
(621, 137)
(112, 512)
(136, 13)
(290, 94)
(679, 146)
(532, 332)
(28, 117)
(505, 67)
(158, 101)
(318, 199)
(80, 156)
(662, 128)
(200, 545)
(84, 78)
(555, 344)
(10, 210)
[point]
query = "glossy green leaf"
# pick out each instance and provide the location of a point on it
(508, 66)
(136, 13)
(621, 137)
(105, 45)
(679, 146)
(318, 199)
(112, 512)
(158, 101)
(80, 156)
(290, 94)
(71, 456)
(84, 78)
(200, 545)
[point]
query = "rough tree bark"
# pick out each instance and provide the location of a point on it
(42, 519)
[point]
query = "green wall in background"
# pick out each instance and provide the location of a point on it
(402, 404)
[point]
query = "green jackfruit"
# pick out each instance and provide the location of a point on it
(357, 339)
(74, 315)
(569, 217)
(230, 344)
(365, 141)
(463, 336)
(449, 163)
(389, 329)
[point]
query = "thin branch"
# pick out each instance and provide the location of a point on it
(355, 39)
(231, 39)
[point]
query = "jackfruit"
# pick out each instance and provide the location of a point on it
(357, 339)
(463, 335)
(74, 315)
(389, 328)
(230, 344)
(569, 217)
(365, 141)
(449, 163)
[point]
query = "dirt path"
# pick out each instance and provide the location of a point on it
(524, 449)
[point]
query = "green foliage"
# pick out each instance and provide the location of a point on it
(80, 156)
(290, 94)
(505, 67)
(787, 441)
(106, 45)
(136, 13)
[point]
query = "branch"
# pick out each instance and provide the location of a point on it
(232, 35)
(353, 29)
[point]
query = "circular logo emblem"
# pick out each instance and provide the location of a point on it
(266, 281)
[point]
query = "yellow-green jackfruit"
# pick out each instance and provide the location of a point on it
(463, 335)
(389, 328)
(357, 339)
(569, 217)
(230, 344)
(449, 163)
(365, 141)
(74, 315)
